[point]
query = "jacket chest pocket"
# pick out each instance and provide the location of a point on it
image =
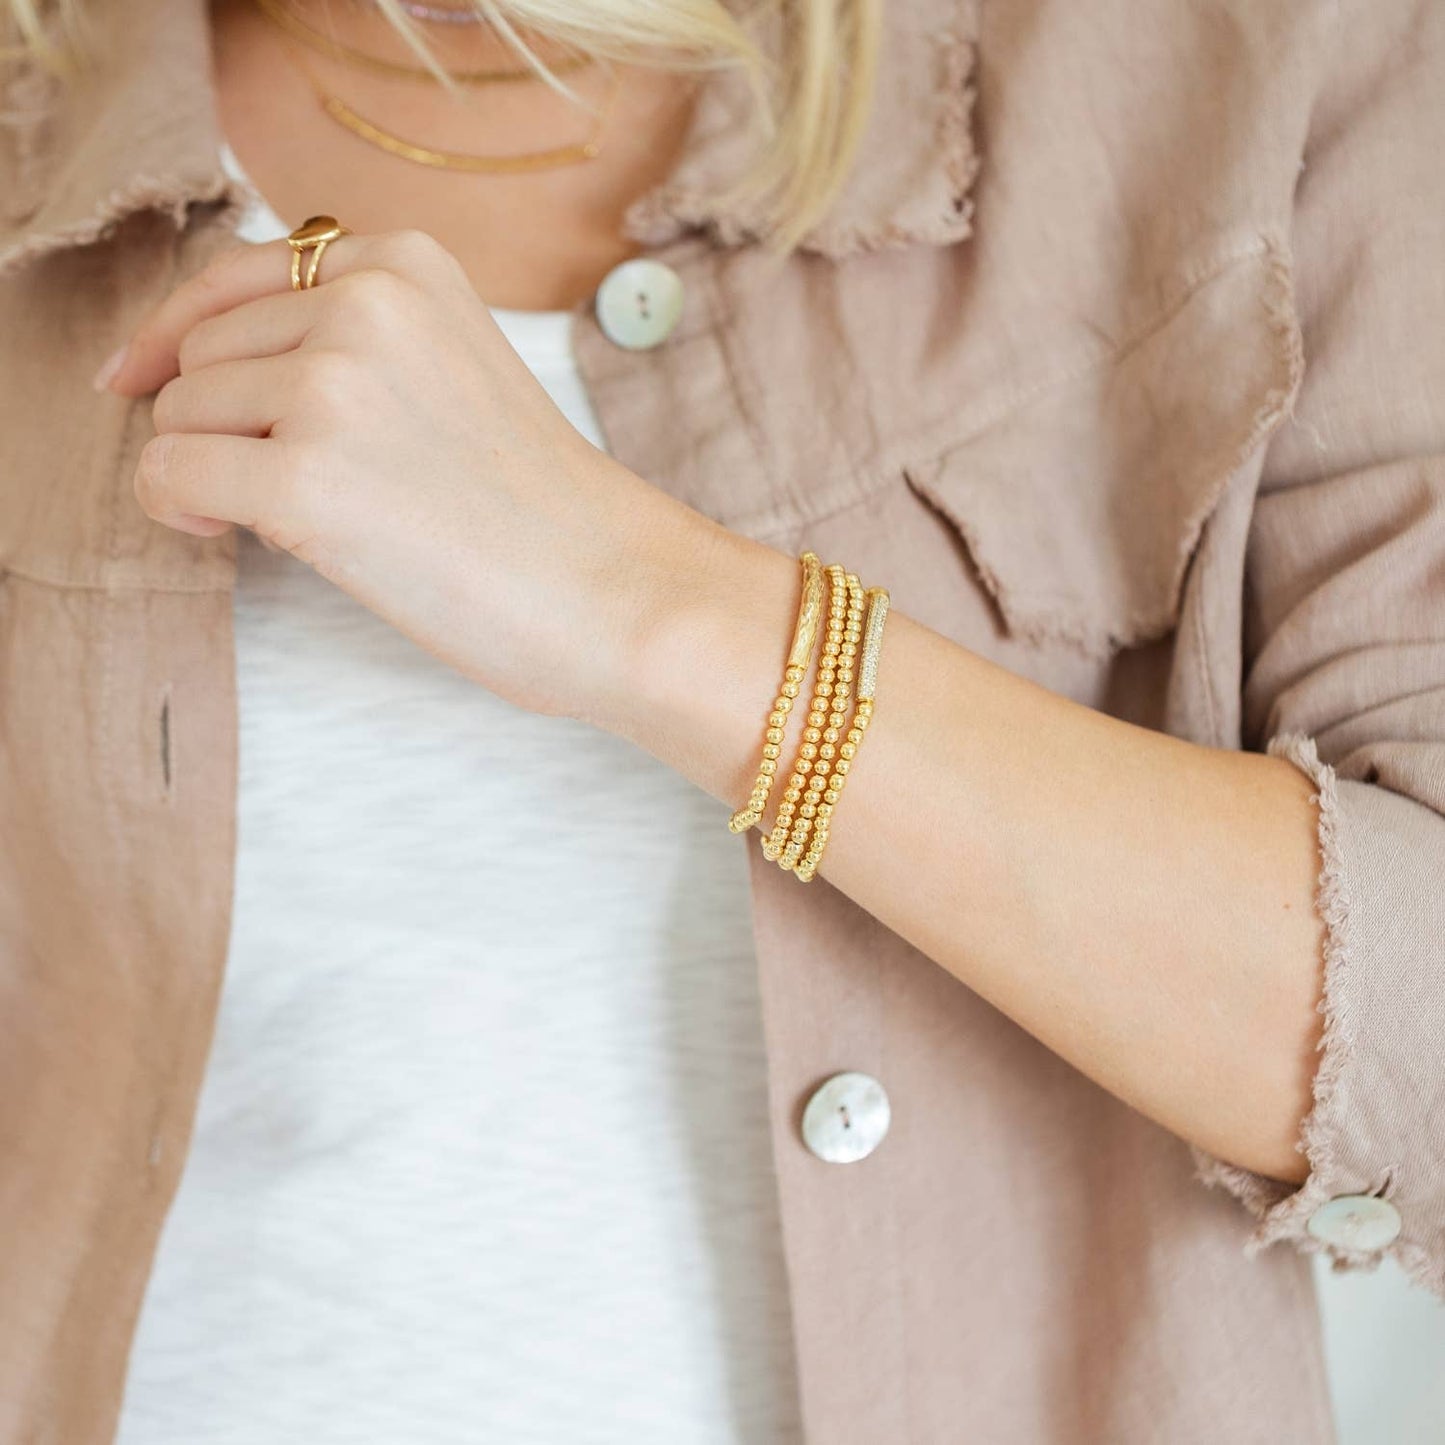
(1038, 499)
(1081, 503)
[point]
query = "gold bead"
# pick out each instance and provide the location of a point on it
(819, 770)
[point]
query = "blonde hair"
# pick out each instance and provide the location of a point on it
(812, 98)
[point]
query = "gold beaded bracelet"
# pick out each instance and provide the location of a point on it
(805, 634)
(826, 752)
(776, 844)
(819, 747)
(848, 748)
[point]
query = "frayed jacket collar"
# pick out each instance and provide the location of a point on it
(138, 130)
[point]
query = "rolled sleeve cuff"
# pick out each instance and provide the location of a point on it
(1375, 1133)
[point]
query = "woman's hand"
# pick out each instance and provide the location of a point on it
(379, 427)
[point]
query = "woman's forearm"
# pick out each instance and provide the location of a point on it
(1142, 905)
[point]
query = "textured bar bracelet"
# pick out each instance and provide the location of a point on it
(862, 715)
(805, 634)
(777, 842)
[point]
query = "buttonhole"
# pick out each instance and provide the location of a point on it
(166, 738)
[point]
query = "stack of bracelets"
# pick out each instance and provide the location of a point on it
(826, 752)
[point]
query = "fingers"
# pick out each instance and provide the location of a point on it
(267, 326)
(244, 398)
(244, 274)
(235, 277)
(187, 479)
(247, 274)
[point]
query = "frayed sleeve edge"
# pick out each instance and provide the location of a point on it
(1282, 1211)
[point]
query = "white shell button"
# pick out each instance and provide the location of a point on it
(1356, 1221)
(846, 1118)
(639, 303)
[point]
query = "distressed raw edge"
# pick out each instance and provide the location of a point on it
(660, 216)
(959, 161)
(1040, 621)
(1282, 1211)
(1033, 627)
(170, 195)
(1040, 627)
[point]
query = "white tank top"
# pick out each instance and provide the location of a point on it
(482, 1151)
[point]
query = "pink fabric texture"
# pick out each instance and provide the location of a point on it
(1119, 361)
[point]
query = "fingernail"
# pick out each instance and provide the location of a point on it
(109, 367)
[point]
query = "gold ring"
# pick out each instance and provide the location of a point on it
(313, 235)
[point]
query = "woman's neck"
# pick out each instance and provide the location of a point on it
(538, 240)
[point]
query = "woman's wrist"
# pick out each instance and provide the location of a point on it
(710, 615)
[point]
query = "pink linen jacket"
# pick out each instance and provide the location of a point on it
(1120, 361)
